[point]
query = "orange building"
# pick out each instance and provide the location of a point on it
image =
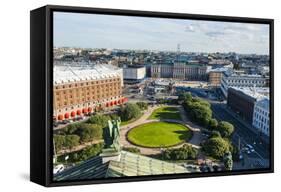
(78, 91)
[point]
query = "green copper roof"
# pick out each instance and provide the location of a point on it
(130, 164)
(89, 169)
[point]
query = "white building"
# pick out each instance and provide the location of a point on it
(180, 70)
(233, 79)
(134, 73)
(261, 116)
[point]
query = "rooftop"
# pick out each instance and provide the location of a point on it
(230, 73)
(130, 164)
(220, 69)
(67, 74)
(254, 92)
(264, 103)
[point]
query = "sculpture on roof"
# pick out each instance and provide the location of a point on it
(111, 135)
(228, 162)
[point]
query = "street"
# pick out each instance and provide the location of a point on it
(246, 135)
(242, 133)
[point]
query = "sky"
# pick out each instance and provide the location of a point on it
(124, 32)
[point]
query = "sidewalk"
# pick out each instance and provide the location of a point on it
(194, 141)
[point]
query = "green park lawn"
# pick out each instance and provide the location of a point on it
(166, 113)
(159, 134)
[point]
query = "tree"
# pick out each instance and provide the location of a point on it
(216, 147)
(225, 128)
(200, 114)
(90, 151)
(201, 101)
(88, 132)
(213, 123)
(142, 105)
(186, 96)
(130, 111)
(71, 128)
(82, 154)
(183, 153)
(215, 134)
(101, 120)
(59, 142)
(71, 141)
(114, 116)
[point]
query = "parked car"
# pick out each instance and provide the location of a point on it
(241, 157)
(251, 148)
(58, 168)
(246, 150)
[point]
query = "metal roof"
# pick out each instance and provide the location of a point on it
(130, 164)
(67, 74)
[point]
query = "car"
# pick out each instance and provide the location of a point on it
(250, 147)
(241, 157)
(246, 150)
(58, 168)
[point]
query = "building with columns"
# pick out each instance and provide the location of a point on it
(180, 70)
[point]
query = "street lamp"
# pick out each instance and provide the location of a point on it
(66, 158)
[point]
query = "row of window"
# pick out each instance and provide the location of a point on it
(83, 96)
(88, 104)
(72, 102)
(88, 83)
(259, 125)
(261, 118)
(246, 81)
(93, 91)
(259, 110)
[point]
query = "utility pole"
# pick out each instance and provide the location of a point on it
(55, 154)
(239, 144)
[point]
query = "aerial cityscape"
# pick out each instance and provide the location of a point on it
(135, 96)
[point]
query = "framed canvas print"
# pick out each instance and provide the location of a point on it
(123, 95)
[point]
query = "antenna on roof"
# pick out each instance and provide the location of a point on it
(254, 89)
(178, 51)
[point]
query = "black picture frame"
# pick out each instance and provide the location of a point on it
(41, 54)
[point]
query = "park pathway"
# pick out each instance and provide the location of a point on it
(126, 128)
(195, 140)
(197, 134)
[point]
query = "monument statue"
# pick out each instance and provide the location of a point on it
(228, 162)
(111, 136)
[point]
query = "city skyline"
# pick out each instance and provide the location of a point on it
(124, 32)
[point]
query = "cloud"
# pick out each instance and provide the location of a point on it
(92, 30)
(189, 28)
(215, 34)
